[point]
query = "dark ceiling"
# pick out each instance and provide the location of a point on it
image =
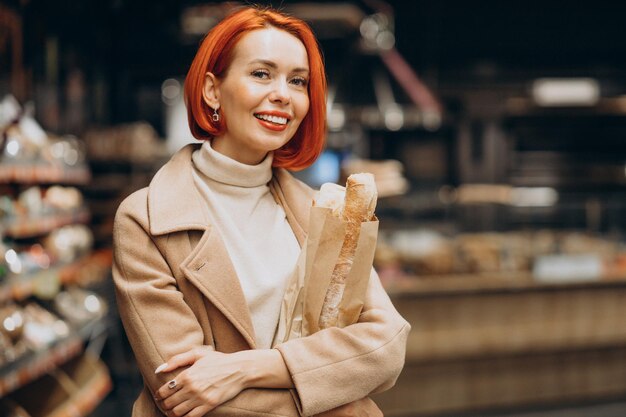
(136, 43)
(429, 33)
(526, 33)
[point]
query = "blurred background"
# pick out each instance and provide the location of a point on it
(497, 135)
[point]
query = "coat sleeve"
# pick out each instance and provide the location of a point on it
(336, 366)
(158, 321)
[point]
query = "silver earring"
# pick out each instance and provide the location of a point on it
(216, 116)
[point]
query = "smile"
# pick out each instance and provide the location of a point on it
(279, 120)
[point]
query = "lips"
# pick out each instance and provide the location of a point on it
(273, 120)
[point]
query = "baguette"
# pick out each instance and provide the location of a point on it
(331, 196)
(353, 204)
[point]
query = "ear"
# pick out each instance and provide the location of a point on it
(210, 91)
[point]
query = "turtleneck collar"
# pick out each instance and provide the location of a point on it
(225, 170)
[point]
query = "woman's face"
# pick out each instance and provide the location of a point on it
(263, 96)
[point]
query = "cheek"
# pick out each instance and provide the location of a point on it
(241, 99)
(243, 93)
(303, 106)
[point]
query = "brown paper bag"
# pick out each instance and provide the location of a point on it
(306, 290)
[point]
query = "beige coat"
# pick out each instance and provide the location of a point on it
(177, 289)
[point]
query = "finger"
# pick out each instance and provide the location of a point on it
(182, 408)
(176, 361)
(167, 389)
(175, 400)
(198, 411)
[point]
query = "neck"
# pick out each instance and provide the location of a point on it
(226, 170)
(245, 156)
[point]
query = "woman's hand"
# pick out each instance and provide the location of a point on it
(214, 378)
(364, 407)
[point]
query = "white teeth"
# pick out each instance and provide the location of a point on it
(274, 119)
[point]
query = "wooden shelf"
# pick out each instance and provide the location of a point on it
(43, 281)
(21, 287)
(40, 173)
(77, 382)
(85, 400)
(24, 227)
(505, 333)
(34, 364)
(496, 282)
(31, 366)
(72, 390)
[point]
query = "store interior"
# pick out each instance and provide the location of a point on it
(496, 132)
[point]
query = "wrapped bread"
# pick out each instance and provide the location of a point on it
(331, 196)
(354, 204)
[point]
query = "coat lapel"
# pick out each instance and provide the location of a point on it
(210, 269)
(174, 205)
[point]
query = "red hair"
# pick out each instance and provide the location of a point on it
(216, 54)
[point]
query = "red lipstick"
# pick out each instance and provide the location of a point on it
(270, 125)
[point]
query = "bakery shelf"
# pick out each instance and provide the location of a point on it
(21, 287)
(506, 313)
(493, 282)
(40, 173)
(44, 281)
(92, 381)
(38, 225)
(34, 364)
(529, 342)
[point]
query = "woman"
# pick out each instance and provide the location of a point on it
(203, 254)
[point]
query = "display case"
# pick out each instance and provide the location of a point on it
(515, 297)
(52, 324)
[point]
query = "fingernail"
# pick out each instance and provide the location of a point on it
(160, 368)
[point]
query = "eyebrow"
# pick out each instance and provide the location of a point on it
(273, 65)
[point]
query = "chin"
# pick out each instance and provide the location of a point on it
(274, 144)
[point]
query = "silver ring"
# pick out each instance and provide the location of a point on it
(171, 384)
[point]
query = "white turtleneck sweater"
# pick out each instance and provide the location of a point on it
(259, 240)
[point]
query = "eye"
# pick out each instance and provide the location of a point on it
(300, 81)
(261, 74)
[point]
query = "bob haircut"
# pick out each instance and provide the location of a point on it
(216, 54)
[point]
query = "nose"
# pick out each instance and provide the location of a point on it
(280, 92)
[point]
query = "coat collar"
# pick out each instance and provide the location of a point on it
(175, 205)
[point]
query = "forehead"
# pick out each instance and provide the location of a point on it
(271, 44)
